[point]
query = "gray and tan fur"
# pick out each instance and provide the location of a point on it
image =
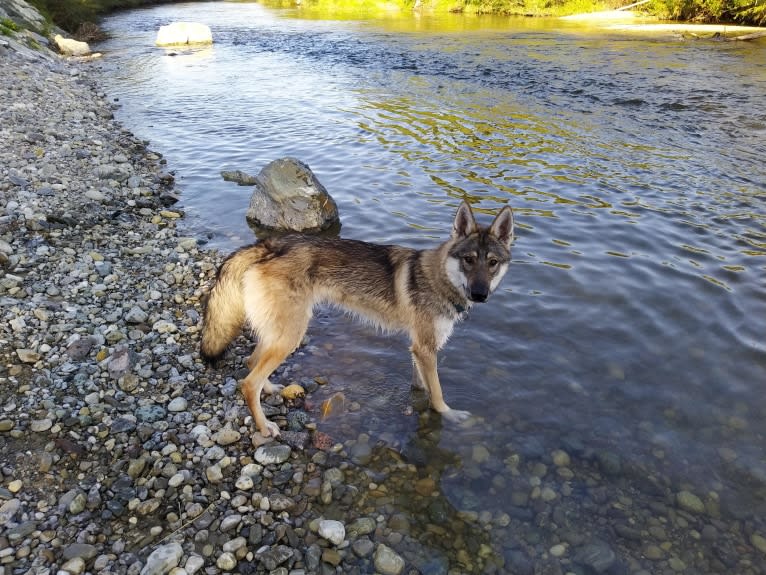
(272, 287)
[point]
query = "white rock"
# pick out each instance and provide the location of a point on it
(177, 404)
(179, 33)
(333, 531)
(75, 566)
(194, 563)
(226, 561)
(163, 559)
(8, 509)
(244, 483)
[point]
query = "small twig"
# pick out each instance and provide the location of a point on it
(184, 526)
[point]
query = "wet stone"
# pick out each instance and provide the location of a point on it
(272, 454)
(609, 463)
(759, 542)
(363, 547)
(690, 502)
(387, 561)
(361, 526)
(596, 555)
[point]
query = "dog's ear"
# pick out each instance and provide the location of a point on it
(464, 224)
(502, 226)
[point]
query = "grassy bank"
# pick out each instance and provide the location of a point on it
(81, 15)
(72, 14)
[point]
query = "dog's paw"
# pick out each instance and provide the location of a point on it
(272, 388)
(271, 430)
(455, 415)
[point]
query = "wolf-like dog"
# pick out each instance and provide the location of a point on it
(273, 285)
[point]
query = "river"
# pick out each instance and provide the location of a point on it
(623, 360)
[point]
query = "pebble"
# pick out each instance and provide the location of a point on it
(759, 542)
(333, 531)
(163, 559)
(177, 405)
(272, 454)
(387, 561)
(226, 561)
(690, 502)
(226, 436)
(74, 566)
(558, 550)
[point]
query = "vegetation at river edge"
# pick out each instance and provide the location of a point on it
(73, 14)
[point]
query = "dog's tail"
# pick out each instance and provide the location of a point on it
(225, 306)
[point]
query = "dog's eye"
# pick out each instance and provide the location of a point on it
(493, 262)
(469, 259)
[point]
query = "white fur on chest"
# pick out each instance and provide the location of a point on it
(443, 327)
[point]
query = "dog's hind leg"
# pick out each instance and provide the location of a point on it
(273, 349)
(252, 361)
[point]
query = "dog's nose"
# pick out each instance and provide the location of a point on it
(479, 296)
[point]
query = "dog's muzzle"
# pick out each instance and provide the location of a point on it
(479, 295)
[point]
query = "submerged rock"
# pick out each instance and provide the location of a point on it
(289, 197)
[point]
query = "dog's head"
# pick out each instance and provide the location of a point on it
(478, 256)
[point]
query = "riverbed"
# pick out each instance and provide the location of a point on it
(621, 364)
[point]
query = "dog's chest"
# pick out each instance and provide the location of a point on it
(443, 328)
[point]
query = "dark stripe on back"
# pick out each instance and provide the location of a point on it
(412, 278)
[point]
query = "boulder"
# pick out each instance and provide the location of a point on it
(70, 47)
(24, 14)
(182, 33)
(289, 197)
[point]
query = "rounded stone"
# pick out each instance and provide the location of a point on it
(387, 561)
(333, 531)
(177, 404)
(690, 502)
(226, 561)
(558, 550)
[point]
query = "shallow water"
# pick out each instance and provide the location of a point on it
(630, 326)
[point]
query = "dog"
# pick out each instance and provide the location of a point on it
(273, 285)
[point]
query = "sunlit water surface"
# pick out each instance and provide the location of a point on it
(631, 324)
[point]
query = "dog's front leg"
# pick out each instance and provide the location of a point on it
(424, 358)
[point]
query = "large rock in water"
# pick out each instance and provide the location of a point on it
(182, 33)
(288, 197)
